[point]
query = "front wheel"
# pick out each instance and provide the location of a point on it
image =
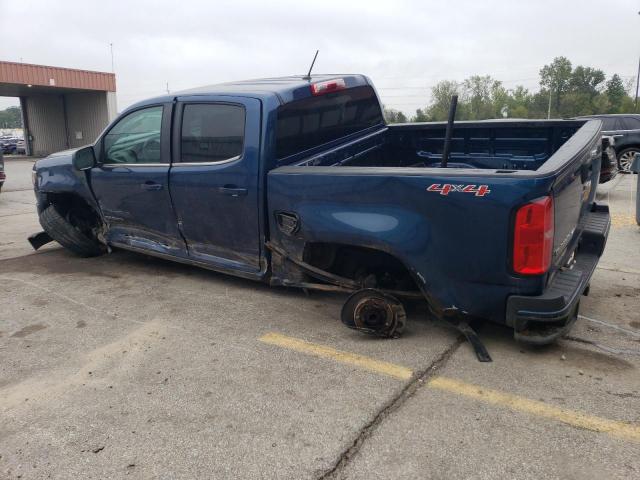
(626, 157)
(68, 235)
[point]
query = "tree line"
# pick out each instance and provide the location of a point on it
(11, 118)
(565, 91)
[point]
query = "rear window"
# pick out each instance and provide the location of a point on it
(307, 123)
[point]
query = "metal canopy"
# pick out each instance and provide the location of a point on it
(22, 79)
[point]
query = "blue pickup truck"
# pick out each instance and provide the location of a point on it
(299, 182)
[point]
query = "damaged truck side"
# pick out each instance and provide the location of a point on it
(299, 182)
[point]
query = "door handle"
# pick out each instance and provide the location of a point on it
(151, 186)
(232, 191)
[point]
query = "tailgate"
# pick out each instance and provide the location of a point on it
(574, 190)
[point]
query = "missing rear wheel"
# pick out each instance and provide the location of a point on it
(374, 312)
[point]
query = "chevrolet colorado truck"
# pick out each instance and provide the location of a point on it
(299, 182)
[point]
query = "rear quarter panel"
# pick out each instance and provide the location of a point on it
(456, 246)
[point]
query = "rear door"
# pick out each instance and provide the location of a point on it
(214, 180)
(131, 181)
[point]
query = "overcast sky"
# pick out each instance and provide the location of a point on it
(404, 46)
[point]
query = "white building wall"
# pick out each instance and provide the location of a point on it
(87, 115)
(47, 129)
(57, 122)
(112, 105)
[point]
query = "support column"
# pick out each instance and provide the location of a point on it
(26, 132)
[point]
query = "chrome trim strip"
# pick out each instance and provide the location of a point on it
(127, 165)
(174, 164)
(609, 132)
(196, 164)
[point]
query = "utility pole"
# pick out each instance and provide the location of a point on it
(637, 85)
(635, 108)
(111, 48)
(167, 88)
(549, 108)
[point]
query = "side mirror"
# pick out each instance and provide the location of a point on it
(84, 158)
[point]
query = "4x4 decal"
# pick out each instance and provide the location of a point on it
(445, 189)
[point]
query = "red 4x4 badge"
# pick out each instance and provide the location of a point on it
(445, 189)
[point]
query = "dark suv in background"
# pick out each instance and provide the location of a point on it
(3, 177)
(625, 129)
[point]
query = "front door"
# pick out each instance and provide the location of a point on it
(131, 182)
(214, 180)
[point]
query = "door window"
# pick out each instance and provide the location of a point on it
(135, 138)
(631, 123)
(211, 132)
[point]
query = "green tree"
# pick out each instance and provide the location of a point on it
(478, 95)
(393, 116)
(586, 80)
(556, 78)
(616, 93)
(421, 116)
(602, 104)
(572, 92)
(499, 100)
(518, 102)
(441, 95)
(11, 118)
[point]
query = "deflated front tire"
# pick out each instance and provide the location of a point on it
(68, 235)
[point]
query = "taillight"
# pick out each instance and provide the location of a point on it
(328, 86)
(533, 237)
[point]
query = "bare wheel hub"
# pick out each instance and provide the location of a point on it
(374, 312)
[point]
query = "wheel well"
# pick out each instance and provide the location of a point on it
(76, 210)
(622, 148)
(373, 268)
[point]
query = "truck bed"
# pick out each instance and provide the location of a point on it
(492, 145)
(453, 227)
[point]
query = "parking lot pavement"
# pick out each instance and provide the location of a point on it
(127, 365)
(17, 208)
(18, 169)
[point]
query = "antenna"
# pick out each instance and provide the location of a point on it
(308, 77)
(449, 131)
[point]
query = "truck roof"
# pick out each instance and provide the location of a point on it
(286, 89)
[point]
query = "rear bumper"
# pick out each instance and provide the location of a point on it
(543, 318)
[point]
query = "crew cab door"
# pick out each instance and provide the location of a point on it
(214, 180)
(131, 181)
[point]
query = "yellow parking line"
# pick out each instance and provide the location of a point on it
(623, 220)
(354, 359)
(513, 402)
(534, 407)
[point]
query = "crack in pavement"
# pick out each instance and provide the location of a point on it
(389, 407)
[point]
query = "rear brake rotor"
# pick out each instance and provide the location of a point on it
(371, 311)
